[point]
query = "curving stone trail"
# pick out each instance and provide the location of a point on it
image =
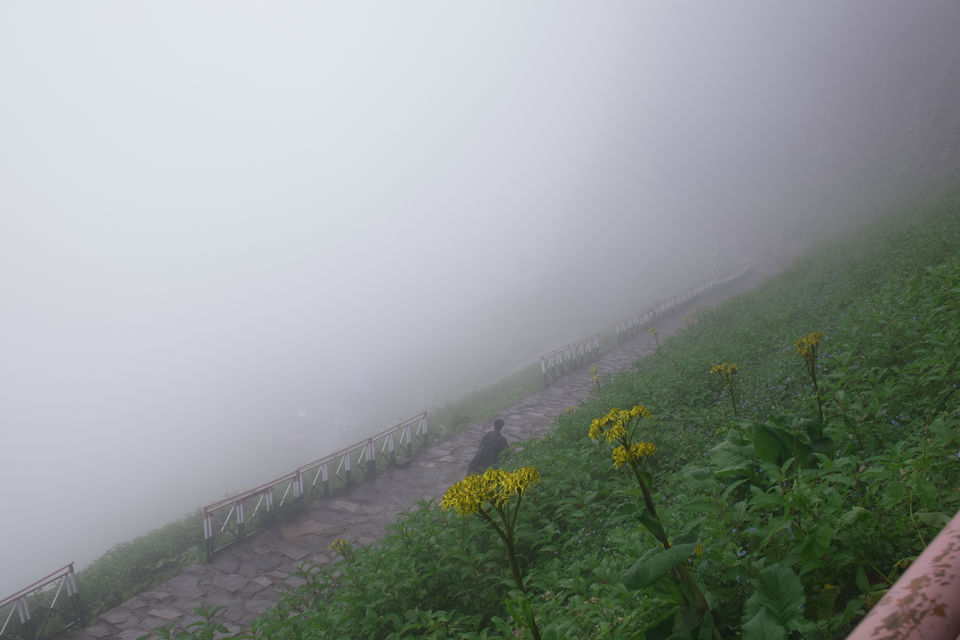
(249, 576)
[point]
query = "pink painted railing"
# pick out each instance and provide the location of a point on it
(924, 604)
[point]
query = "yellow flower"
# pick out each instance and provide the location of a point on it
(637, 452)
(613, 426)
(616, 432)
(653, 331)
(494, 486)
(639, 411)
(806, 346)
(698, 550)
(725, 370)
(338, 545)
(598, 424)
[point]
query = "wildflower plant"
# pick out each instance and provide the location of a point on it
(728, 374)
(656, 335)
(595, 377)
(618, 426)
(807, 347)
(344, 548)
(495, 496)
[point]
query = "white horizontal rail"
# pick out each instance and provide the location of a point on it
(62, 578)
(632, 324)
(236, 516)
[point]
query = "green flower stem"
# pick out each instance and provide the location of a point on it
(506, 534)
(733, 400)
(688, 586)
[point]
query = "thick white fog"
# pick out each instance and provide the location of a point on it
(238, 235)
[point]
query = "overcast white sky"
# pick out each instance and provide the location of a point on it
(214, 215)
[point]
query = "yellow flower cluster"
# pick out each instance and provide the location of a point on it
(637, 452)
(653, 331)
(725, 369)
(338, 545)
(807, 345)
(614, 425)
(494, 486)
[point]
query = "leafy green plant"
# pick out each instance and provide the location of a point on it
(619, 425)
(489, 495)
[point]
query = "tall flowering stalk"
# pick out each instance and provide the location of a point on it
(656, 335)
(495, 496)
(728, 374)
(595, 378)
(618, 426)
(807, 347)
(342, 546)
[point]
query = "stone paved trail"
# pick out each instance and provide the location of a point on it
(249, 576)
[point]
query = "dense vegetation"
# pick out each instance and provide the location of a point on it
(750, 517)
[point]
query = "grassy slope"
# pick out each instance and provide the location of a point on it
(763, 495)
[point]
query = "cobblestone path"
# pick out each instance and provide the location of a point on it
(249, 576)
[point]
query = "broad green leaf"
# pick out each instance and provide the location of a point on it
(704, 505)
(731, 487)
(769, 444)
(769, 500)
(652, 567)
(776, 526)
(763, 626)
(859, 516)
(817, 543)
(652, 524)
(927, 492)
(731, 459)
(780, 593)
(686, 620)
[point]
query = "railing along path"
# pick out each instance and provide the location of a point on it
(234, 518)
(50, 586)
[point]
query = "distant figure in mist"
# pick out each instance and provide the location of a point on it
(491, 445)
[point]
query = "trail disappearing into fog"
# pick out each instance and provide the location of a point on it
(249, 576)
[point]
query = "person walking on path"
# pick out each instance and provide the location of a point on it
(491, 445)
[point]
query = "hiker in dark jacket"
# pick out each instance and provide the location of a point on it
(491, 445)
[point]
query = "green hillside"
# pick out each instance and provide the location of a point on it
(736, 509)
